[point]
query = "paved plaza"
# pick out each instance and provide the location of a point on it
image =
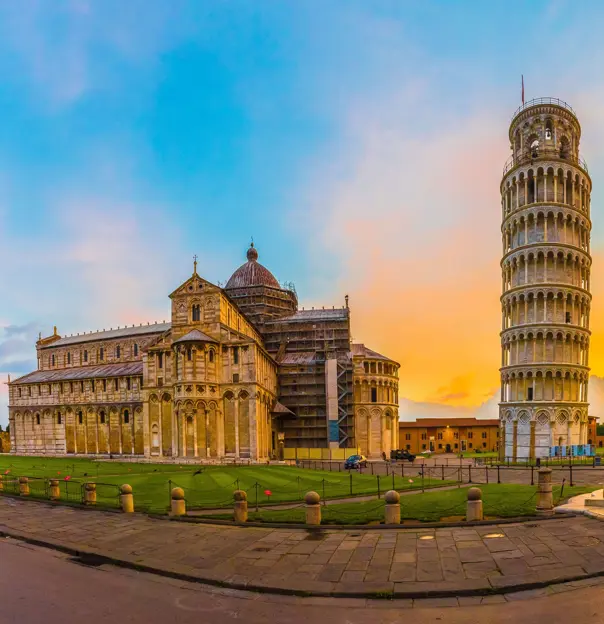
(403, 562)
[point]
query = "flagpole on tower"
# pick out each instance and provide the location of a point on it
(522, 89)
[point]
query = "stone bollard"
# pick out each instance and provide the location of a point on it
(90, 494)
(545, 499)
(313, 508)
(54, 491)
(23, 486)
(474, 506)
(240, 508)
(392, 509)
(178, 506)
(126, 498)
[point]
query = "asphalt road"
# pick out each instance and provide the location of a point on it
(42, 586)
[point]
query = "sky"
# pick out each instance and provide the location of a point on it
(359, 143)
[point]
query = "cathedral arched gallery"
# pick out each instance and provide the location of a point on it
(240, 372)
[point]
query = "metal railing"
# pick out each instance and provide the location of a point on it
(543, 153)
(544, 100)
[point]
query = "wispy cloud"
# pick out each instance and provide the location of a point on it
(70, 47)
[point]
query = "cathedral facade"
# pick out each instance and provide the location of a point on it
(239, 373)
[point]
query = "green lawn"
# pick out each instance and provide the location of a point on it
(204, 486)
(500, 501)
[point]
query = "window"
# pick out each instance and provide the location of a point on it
(160, 360)
(189, 354)
(211, 355)
(118, 352)
(470, 435)
(423, 447)
(456, 435)
(126, 417)
(129, 383)
(37, 419)
(135, 350)
(69, 358)
(484, 445)
(235, 377)
(366, 366)
(81, 386)
(104, 385)
(29, 389)
(92, 385)
(101, 354)
(235, 355)
(71, 387)
(59, 419)
(85, 356)
(160, 381)
(424, 436)
(116, 384)
(19, 392)
(484, 435)
(407, 436)
(408, 447)
(470, 445)
(456, 445)
(140, 383)
(440, 436)
(80, 418)
(196, 313)
(102, 417)
(52, 359)
(530, 394)
(568, 317)
(374, 395)
(440, 446)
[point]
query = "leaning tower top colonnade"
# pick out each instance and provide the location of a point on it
(546, 265)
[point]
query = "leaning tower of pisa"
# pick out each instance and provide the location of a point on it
(546, 264)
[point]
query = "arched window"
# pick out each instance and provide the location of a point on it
(211, 357)
(53, 359)
(196, 313)
(118, 352)
(85, 356)
(80, 418)
(189, 354)
(59, 418)
(564, 148)
(135, 350)
(548, 130)
(126, 417)
(68, 358)
(102, 417)
(37, 419)
(101, 354)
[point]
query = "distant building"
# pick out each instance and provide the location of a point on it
(449, 435)
(239, 373)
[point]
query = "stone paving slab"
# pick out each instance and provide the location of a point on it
(406, 563)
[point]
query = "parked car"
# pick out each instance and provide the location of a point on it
(402, 454)
(356, 462)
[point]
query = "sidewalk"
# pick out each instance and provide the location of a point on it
(406, 563)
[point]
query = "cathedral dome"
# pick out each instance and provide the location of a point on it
(252, 273)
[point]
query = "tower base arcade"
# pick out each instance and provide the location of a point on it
(529, 432)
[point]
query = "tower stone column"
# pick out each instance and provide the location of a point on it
(546, 265)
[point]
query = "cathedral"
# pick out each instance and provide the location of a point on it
(240, 373)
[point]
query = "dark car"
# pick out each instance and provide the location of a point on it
(355, 461)
(402, 454)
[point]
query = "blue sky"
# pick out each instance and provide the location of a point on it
(348, 138)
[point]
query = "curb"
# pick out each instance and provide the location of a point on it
(91, 557)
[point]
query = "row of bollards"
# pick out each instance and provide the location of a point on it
(54, 492)
(312, 500)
